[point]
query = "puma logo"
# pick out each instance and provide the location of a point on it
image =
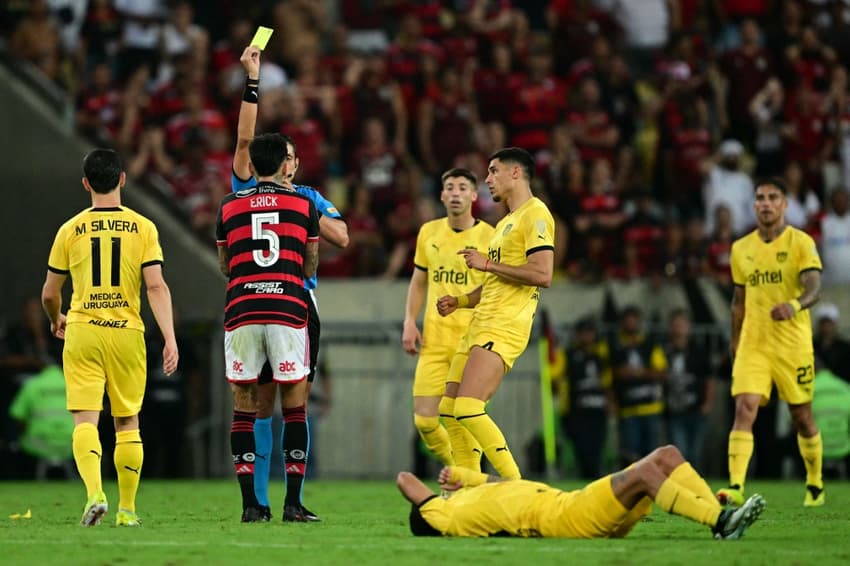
(134, 470)
(95, 453)
(435, 246)
(502, 449)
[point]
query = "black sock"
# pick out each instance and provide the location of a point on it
(294, 452)
(242, 449)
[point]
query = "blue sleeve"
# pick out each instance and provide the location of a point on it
(237, 184)
(323, 205)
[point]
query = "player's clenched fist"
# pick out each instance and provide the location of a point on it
(446, 305)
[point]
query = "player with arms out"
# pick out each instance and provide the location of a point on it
(268, 237)
(334, 230)
(519, 261)
(609, 507)
(108, 250)
(439, 271)
(777, 275)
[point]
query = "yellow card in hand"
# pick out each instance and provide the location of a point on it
(261, 38)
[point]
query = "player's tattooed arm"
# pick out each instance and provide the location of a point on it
(810, 279)
(738, 312)
(311, 259)
(224, 260)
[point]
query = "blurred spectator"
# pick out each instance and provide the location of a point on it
(689, 389)
(586, 398)
(746, 69)
(45, 423)
(643, 236)
(495, 84)
(726, 184)
(767, 112)
(640, 371)
(101, 33)
(809, 60)
(831, 349)
(647, 26)
(803, 204)
(445, 123)
(141, 35)
(575, 27)
(805, 133)
(836, 107)
(835, 238)
(36, 39)
(99, 106)
(589, 125)
(538, 102)
(364, 255)
(684, 148)
(308, 136)
(720, 249)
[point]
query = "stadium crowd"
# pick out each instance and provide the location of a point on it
(647, 123)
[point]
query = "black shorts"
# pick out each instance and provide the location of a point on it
(314, 328)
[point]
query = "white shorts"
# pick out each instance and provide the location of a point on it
(248, 347)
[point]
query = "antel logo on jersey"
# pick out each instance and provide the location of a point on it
(757, 278)
(287, 367)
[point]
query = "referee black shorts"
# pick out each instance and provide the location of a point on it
(314, 328)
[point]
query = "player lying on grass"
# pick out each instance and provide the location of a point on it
(607, 508)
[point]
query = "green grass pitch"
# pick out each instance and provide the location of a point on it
(197, 522)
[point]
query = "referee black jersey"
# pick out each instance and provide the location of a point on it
(266, 229)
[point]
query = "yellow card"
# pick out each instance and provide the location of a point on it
(261, 38)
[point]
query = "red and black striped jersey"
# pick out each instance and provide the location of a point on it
(266, 229)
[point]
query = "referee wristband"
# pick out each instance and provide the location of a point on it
(251, 94)
(462, 301)
(796, 304)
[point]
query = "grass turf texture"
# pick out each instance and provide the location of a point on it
(197, 522)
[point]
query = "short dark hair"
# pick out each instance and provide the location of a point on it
(268, 151)
(516, 155)
(418, 525)
(460, 172)
(775, 181)
(102, 168)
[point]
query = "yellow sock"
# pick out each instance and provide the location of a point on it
(128, 463)
(465, 449)
(740, 452)
(435, 437)
(811, 449)
(638, 512)
(87, 454)
(471, 414)
(686, 475)
(678, 500)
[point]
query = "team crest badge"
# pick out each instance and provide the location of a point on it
(541, 227)
(507, 229)
(781, 256)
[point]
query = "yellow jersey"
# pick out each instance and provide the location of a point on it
(524, 231)
(104, 251)
(437, 245)
(770, 273)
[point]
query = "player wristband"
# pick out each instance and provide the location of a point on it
(462, 301)
(486, 264)
(251, 94)
(796, 304)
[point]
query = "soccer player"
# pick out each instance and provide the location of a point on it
(439, 270)
(107, 250)
(777, 275)
(609, 507)
(296, 439)
(268, 238)
(518, 262)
